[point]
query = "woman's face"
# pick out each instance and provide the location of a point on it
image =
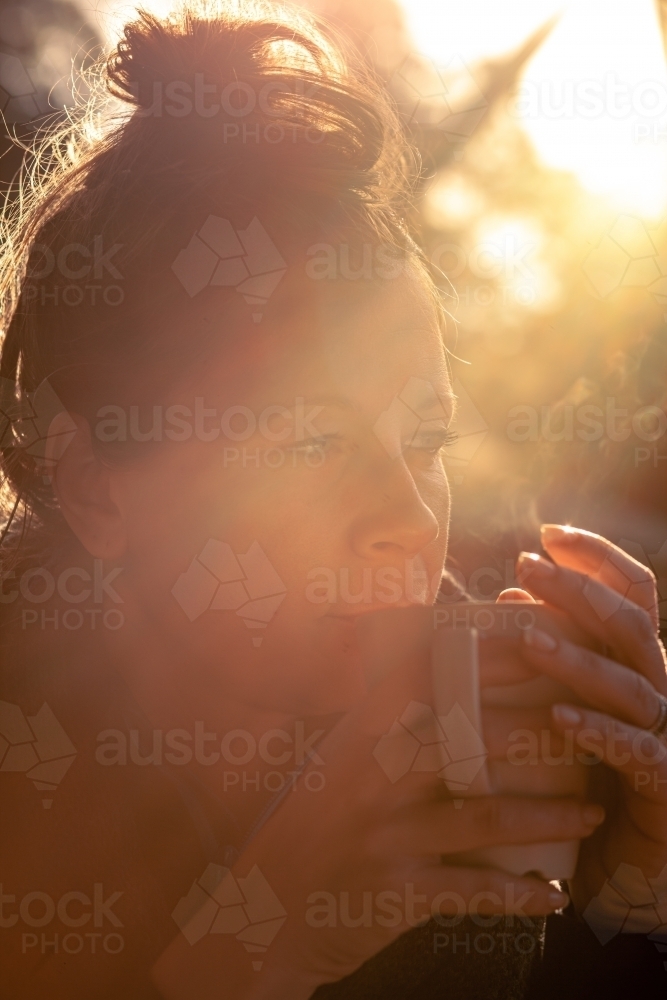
(312, 491)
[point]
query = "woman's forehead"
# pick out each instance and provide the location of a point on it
(339, 337)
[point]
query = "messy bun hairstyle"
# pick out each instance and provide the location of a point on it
(235, 109)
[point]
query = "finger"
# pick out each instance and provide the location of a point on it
(625, 627)
(433, 828)
(501, 727)
(455, 890)
(598, 557)
(515, 594)
(639, 757)
(604, 684)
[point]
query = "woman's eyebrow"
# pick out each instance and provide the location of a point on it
(432, 399)
(428, 401)
(439, 397)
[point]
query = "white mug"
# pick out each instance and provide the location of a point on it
(452, 633)
(456, 681)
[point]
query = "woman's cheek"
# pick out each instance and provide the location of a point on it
(435, 493)
(437, 499)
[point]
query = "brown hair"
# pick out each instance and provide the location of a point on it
(303, 137)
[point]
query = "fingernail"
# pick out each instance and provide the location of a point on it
(558, 899)
(593, 815)
(566, 715)
(541, 641)
(536, 564)
(561, 534)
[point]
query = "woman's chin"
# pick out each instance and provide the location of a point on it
(297, 666)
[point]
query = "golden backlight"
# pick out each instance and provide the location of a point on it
(593, 98)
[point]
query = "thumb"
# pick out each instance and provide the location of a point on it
(515, 594)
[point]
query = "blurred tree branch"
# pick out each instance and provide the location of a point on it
(44, 45)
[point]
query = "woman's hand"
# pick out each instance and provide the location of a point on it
(614, 598)
(367, 844)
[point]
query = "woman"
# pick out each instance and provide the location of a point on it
(229, 397)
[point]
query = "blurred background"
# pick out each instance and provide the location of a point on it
(543, 130)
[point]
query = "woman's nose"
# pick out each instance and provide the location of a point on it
(397, 521)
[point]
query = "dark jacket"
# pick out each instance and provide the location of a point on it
(117, 827)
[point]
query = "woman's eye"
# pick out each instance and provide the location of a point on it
(432, 442)
(315, 450)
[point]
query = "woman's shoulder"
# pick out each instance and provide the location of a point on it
(97, 851)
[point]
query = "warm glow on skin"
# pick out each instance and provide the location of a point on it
(349, 353)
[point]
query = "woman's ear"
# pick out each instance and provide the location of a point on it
(83, 487)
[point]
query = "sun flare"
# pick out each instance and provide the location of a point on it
(594, 97)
